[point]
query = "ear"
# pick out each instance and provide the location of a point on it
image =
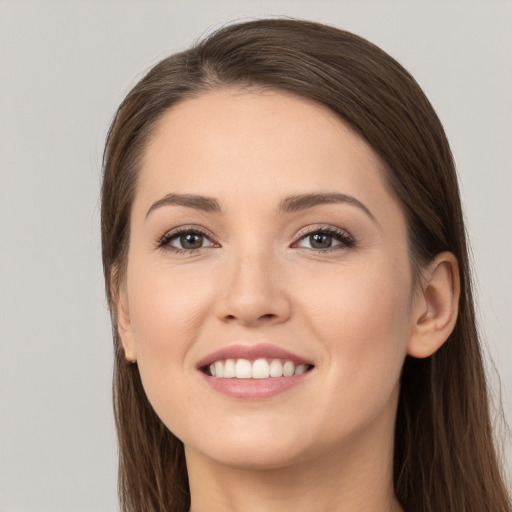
(119, 298)
(436, 306)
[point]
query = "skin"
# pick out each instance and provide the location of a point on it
(355, 312)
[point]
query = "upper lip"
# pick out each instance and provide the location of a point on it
(252, 352)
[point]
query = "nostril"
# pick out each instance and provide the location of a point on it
(266, 316)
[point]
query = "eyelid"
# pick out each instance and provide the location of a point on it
(346, 239)
(164, 241)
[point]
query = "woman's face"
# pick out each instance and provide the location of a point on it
(262, 228)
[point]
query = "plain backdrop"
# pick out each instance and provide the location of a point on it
(64, 68)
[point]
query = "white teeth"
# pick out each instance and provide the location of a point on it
(229, 369)
(258, 369)
(243, 369)
(288, 369)
(301, 368)
(276, 368)
(219, 369)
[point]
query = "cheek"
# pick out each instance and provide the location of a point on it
(167, 312)
(364, 324)
(165, 307)
(352, 302)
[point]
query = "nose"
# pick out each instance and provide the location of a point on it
(253, 291)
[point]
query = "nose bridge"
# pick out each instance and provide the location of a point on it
(252, 291)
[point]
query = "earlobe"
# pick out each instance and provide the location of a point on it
(119, 298)
(436, 309)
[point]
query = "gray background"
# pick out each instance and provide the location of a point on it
(64, 68)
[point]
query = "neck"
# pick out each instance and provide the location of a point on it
(355, 477)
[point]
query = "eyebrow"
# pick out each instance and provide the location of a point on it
(290, 204)
(303, 202)
(203, 203)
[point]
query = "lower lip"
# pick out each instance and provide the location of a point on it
(254, 389)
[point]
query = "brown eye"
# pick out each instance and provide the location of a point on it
(191, 241)
(185, 241)
(320, 241)
(326, 239)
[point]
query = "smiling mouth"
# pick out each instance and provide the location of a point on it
(257, 369)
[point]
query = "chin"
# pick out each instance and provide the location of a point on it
(251, 448)
(252, 456)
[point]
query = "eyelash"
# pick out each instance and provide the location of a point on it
(347, 241)
(164, 242)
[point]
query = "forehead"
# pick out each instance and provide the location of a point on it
(228, 143)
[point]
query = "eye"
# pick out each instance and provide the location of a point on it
(326, 240)
(185, 240)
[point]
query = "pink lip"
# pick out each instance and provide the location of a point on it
(252, 389)
(251, 352)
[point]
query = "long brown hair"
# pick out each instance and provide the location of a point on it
(445, 458)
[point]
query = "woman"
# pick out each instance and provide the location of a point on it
(287, 270)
